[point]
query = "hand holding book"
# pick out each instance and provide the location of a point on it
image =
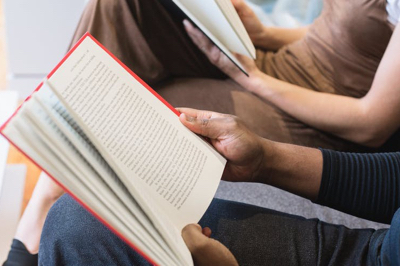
(252, 24)
(220, 60)
(244, 151)
(231, 138)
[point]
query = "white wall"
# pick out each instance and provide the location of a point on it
(38, 33)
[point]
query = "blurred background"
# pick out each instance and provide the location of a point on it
(2, 51)
(34, 36)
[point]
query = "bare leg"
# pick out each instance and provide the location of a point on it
(31, 224)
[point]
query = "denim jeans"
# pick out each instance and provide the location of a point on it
(256, 236)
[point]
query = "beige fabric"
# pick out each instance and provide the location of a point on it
(340, 54)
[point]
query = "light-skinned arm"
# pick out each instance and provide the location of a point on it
(368, 121)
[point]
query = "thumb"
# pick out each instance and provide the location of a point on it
(240, 6)
(194, 238)
(209, 127)
(243, 59)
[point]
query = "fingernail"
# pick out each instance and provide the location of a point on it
(188, 118)
(186, 23)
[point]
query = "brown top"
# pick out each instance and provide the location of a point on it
(342, 50)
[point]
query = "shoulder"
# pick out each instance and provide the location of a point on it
(393, 9)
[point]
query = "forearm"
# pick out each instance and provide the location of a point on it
(32, 221)
(30, 226)
(273, 38)
(345, 117)
(363, 185)
(292, 168)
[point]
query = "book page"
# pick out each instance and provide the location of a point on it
(167, 168)
(45, 106)
(212, 18)
(21, 133)
(37, 124)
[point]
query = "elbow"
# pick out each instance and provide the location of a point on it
(373, 138)
(374, 127)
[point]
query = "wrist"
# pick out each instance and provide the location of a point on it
(267, 162)
(292, 168)
(258, 83)
(254, 81)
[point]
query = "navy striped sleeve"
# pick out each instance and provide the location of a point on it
(364, 185)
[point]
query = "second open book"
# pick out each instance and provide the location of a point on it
(120, 150)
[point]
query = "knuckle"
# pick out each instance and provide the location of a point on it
(234, 120)
(198, 34)
(204, 122)
(199, 246)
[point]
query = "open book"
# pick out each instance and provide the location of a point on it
(119, 149)
(219, 21)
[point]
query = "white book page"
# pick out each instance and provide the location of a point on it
(19, 132)
(59, 115)
(167, 168)
(211, 17)
(50, 131)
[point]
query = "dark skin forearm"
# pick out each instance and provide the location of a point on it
(292, 168)
(254, 159)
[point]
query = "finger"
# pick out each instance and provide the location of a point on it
(193, 237)
(204, 127)
(248, 63)
(241, 7)
(213, 128)
(200, 113)
(245, 60)
(207, 231)
(206, 123)
(198, 37)
(238, 4)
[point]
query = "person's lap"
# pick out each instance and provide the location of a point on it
(256, 236)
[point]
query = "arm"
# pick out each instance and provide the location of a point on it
(360, 184)
(30, 226)
(368, 121)
(29, 230)
(253, 159)
(269, 38)
(364, 185)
